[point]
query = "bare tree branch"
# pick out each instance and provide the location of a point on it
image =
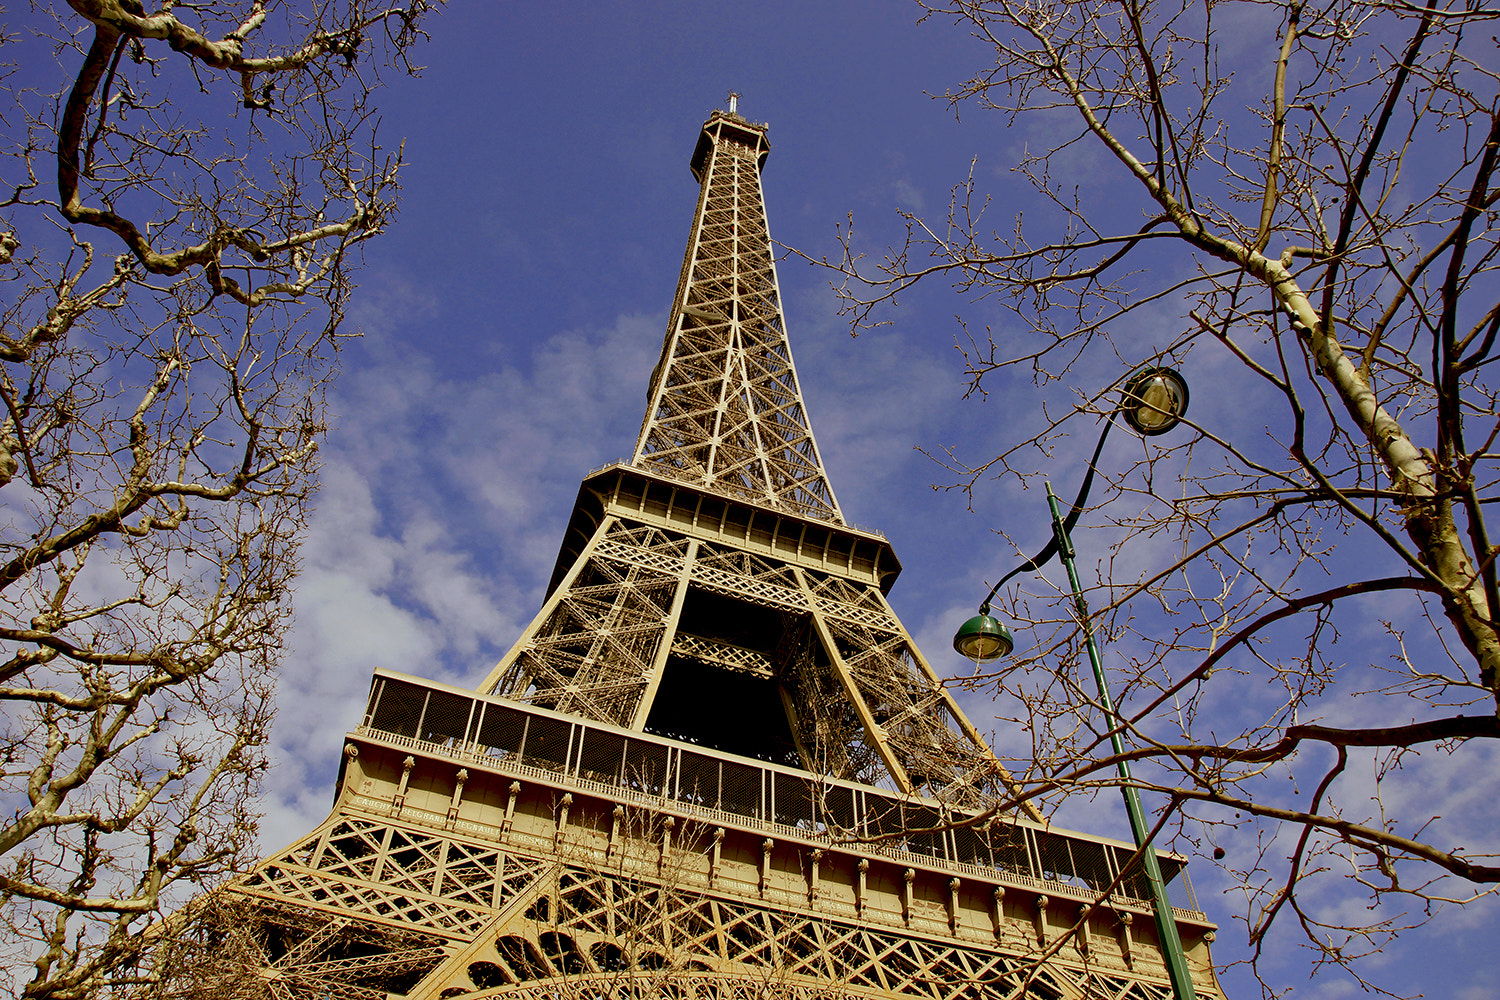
(1297, 579)
(173, 315)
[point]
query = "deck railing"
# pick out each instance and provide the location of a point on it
(436, 720)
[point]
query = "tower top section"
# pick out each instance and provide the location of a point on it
(728, 126)
(724, 410)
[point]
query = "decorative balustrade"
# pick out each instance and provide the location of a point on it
(524, 741)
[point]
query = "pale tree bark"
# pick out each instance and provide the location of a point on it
(180, 220)
(1320, 209)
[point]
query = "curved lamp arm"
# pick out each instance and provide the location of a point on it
(1040, 559)
(1154, 401)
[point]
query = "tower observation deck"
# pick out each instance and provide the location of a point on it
(715, 764)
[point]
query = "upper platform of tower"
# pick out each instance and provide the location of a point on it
(726, 126)
(724, 408)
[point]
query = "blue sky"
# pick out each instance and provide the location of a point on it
(511, 317)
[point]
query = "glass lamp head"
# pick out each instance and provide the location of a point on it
(1156, 399)
(983, 639)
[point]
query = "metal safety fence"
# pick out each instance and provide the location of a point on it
(761, 794)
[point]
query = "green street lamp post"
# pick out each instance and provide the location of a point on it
(1155, 400)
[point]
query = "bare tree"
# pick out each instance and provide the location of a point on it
(184, 198)
(1295, 202)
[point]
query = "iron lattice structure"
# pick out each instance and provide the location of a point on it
(714, 764)
(725, 410)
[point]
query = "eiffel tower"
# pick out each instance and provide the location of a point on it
(714, 765)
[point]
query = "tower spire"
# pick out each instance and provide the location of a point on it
(725, 411)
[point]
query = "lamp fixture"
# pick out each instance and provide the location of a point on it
(983, 638)
(1155, 400)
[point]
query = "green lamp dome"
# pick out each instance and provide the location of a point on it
(983, 639)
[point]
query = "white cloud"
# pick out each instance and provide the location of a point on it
(443, 500)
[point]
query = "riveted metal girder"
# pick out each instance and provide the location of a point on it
(725, 410)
